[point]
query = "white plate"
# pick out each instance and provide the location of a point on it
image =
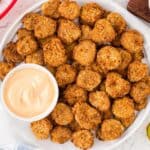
(22, 131)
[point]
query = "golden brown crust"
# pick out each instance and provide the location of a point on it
(60, 134)
(41, 128)
(109, 58)
(74, 94)
(10, 53)
(110, 129)
(123, 108)
(103, 32)
(68, 31)
(74, 126)
(62, 114)
(83, 139)
(88, 79)
(116, 86)
(132, 40)
(100, 100)
(54, 53)
(90, 13)
(137, 71)
(69, 9)
(22, 32)
(84, 53)
(141, 105)
(65, 74)
(86, 116)
(117, 22)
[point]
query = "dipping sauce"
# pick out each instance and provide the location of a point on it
(28, 92)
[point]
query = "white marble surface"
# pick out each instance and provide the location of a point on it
(138, 141)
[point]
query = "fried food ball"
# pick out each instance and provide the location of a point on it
(99, 100)
(128, 121)
(109, 58)
(54, 53)
(116, 86)
(68, 31)
(74, 94)
(65, 74)
(141, 105)
(146, 80)
(137, 71)
(103, 32)
(30, 20)
(74, 126)
(35, 58)
(110, 129)
(90, 13)
(139, 91)
(84, 53)
(26, 46)
(50, 8)
(117, 22)
(88, 79)
(41, 128)
(62, 114)
(123, 108)
(132, 40)
(86, 116)
(85, 32)
(22, 32)
(45, 27)
(60, 134)
(69, 9)
(83, 139)
(10, 53)
(5, 68)
(126, 60)
(138, 56)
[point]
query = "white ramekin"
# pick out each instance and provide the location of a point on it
(51, 106)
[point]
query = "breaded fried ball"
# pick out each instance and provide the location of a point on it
(69, 9)
(10, 53)
(109, 58)
(30, 20)
(117, 22)
(132, 40)
(22, 32)
(50, 8)
(137, 71)
(74, 94)
(60, 134)
(83, 139)
(123, 108)
(54, 53)
(126, 59)
(103, 32)
(111, 129)
(74, 126)
(88, 79)
(86, 116)
(146, 80)
(68, 31)
(84, 53)
(35, 58)
(90, 13)
(62, 114)
(65, 74)
(116, 86)
(139, 91)
(128, 121)
(26, 45)
(5, 68)
(141, 105)
(41, 128)
(99, 100)
(85, 32)
(45, 27)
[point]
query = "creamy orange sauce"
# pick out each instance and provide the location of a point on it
(28, 92)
